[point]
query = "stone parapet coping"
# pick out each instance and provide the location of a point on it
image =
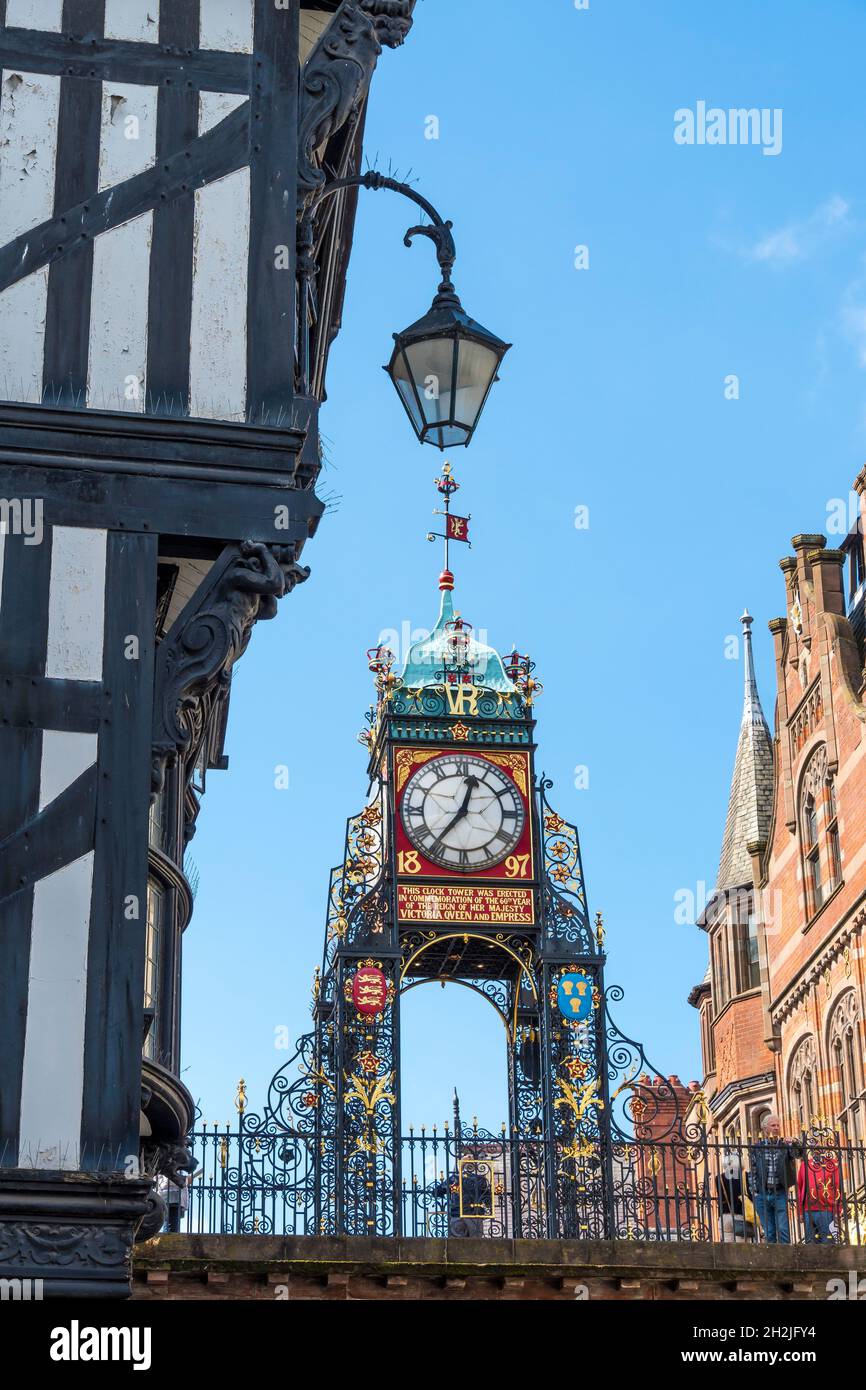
(245, 1267)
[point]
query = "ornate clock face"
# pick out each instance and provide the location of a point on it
(462, 812)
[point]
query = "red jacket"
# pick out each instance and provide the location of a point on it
(818, 1184)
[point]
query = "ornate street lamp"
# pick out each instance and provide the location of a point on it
(445, 363)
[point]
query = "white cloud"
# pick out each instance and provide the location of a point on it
(798, 240)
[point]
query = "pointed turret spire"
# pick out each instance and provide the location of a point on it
(751, 796)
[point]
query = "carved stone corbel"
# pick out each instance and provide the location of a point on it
(209, 635)
(337, 75)
(169, 1160)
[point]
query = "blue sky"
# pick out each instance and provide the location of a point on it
(704, 261)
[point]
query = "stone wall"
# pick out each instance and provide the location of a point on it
(347, 1268)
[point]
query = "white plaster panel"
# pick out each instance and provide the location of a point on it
(76, 604)
(121, 257)
(127, 136)
(35, 14)
(136, 20)
(118, 316)
(52, 1081)
(22, 337)
(64, 757)
(28, 148)
(213, 107)
(227, 24)
(218, 347)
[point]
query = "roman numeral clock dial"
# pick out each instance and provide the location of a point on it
(462, 813)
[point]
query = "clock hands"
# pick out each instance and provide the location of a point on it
(471, 784)
(462, 814)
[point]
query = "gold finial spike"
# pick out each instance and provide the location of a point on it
(599, 929)
(316, 984)
(241, 1097)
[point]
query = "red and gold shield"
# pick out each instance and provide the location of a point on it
(369, 990)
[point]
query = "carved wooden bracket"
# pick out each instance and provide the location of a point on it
(337, 75)
(210, 634)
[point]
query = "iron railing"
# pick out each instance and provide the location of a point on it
(690, 1188)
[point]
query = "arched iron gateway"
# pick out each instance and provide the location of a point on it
(456, 870)
(330, 1141)
(327, 1155)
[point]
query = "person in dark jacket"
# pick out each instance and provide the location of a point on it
(468, 1193)
(773, 1171)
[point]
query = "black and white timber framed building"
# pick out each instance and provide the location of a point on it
(157, 483)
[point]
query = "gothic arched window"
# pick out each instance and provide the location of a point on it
(846, 1064)
(802, 1092)
(822, 872)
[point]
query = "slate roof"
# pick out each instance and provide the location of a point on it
(751, 798)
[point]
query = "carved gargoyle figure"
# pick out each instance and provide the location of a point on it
(176, 1163)
(171, 1161)
(337, 75)
(392, 18)
(244, 585)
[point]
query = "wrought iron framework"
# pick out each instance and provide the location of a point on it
(327, 1155)
(258, 1178)
(596, 1145)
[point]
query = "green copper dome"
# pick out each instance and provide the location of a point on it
(428, 658)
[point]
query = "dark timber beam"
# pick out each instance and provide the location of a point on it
(169, 308)
(51, 839)
(273, 209)
(23, 638)
(67, 316)
(177, 507)
(185, 446)
(117, 60)
(116, 946)
(29, 701)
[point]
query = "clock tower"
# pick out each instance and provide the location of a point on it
(457, 870)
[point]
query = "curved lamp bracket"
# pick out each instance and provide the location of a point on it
(439, 232)
(446, 252)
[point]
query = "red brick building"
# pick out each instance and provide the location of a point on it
(783, 1003)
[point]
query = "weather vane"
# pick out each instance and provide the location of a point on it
(456, 527)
